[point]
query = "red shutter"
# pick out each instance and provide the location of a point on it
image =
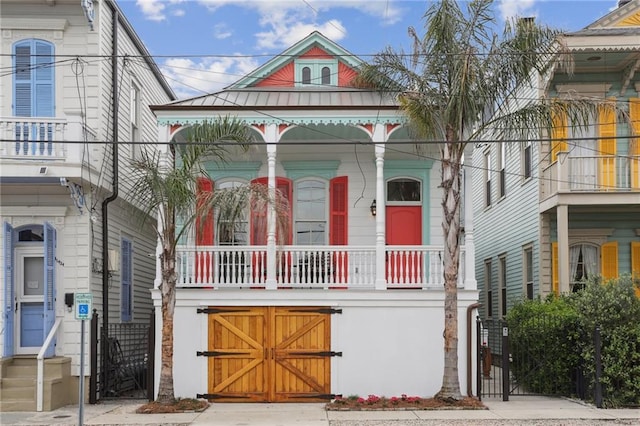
(338, 206)
(259, 219)
(204, 223)
(259, 216)
(204, 232)
(338, 229)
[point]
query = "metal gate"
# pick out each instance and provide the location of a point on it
(509, 364)
(121, 360)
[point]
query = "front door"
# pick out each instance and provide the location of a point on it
(30, 287)
(404, 228)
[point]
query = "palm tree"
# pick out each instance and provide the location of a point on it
(462, 82)
(170, 192)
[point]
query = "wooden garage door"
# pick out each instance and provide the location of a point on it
(269, 354)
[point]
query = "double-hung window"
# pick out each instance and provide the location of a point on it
(311, 212)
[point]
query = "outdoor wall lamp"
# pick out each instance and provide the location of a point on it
(373, 207)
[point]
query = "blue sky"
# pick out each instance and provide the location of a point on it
(204, 45)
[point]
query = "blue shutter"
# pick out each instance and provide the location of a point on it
(22, 80)
(126, 273)
(49, 284)
(9, 296)
(43, 80)
(33, 89)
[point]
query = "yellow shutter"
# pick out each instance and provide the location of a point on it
(635, 263)
(607, 147)
(609, 260)
(558, 134)
(634, 148)
(554, 268)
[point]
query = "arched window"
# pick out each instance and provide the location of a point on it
(306, 75)
(326, 75)
(404, 190)
(30, 233)
(33, 78)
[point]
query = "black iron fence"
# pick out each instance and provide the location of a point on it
(121, 360)
(511, 360)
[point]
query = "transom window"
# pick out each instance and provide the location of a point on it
(404, 190)
(310, 227)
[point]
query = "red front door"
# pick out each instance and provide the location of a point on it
(404, 228)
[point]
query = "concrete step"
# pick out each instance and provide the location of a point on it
(12, 382)
(13, 393)
(17, 405)
(20, 371)
(18, 384)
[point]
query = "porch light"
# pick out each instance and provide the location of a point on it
(373, 207)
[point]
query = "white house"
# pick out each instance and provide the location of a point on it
(80, 79)
(351, 300)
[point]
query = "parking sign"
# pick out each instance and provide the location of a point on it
(83, 303)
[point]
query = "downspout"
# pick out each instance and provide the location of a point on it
(470, 309)
(114, 159)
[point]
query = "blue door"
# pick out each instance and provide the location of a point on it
(33, 285)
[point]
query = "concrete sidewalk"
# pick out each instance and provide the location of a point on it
(543, 410)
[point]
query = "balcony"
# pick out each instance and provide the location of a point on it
(312, 267)
(590, 175)
(42, 138)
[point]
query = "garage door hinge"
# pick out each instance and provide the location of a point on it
(219, 311)
(320, 353)
(321, 396)
(218, 396)
(319, 311)
(218, 353)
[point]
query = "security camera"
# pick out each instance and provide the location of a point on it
(63, 182)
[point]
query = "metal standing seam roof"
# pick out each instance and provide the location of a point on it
(618, 31)
(285, 98)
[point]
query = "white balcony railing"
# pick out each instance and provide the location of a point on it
(591, 174)
(325, 267)
(33, 137)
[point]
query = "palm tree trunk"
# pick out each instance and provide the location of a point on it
(451, 155)
(165, 388)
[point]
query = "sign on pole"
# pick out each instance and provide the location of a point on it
(83, 303)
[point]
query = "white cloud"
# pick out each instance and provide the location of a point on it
(284, 22)
(286, 35)
(155, 10)
(222, 31)
(512, 8)
(189, 78)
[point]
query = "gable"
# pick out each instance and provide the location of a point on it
(625, 15)
(630, 21)
(314, 61)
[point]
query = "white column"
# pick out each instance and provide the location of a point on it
(271, 135)
(381, 280)
(563, 248)
(470, 282)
